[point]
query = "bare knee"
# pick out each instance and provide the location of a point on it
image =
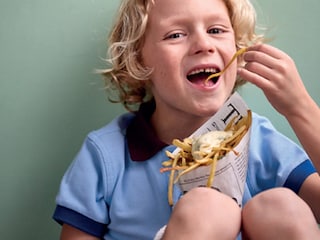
(277, 211)
(207, 202)
(208, 212)
(275, 204)
(279, 199)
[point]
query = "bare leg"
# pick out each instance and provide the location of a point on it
(204, 213)
(278, 214)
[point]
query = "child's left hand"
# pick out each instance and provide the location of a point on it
(276, 74)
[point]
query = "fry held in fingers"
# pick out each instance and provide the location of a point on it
(237, 54)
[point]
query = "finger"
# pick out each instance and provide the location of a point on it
(262, 70)
(261, 58)
(255, 79)
(268, 49)
(267, 55)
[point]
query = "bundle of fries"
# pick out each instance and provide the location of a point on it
(204, 150)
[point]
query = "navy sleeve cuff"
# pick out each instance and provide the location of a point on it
(65, 215)
(298, 175)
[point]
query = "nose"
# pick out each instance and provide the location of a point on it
(202, 43)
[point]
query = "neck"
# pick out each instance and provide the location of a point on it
(175, 126)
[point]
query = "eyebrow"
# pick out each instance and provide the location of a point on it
(179, 20)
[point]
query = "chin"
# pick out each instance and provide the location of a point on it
(206, 113)
(213, 106)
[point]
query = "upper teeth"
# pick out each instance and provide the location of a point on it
(206, 70)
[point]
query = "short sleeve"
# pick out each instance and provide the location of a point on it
(275, 160)
(81, 198)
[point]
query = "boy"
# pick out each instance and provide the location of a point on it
(161, 53)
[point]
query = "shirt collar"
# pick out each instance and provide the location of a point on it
(143, 141)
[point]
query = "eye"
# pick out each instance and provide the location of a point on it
(215, 31)
(174, 35)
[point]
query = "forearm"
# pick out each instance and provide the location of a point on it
(70, 233)
(306, 125)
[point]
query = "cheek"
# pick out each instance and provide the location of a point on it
(164, 78)
(165, 62)
(166, 69)
(147, 60)
(233, 80)
(148, 54)
(161, 77)
(230, 76)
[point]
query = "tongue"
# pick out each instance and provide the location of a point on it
(200, 79)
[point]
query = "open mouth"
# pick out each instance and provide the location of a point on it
(200, 76)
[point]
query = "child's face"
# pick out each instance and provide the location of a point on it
(185, 37)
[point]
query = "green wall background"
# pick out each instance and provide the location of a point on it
(50, 98)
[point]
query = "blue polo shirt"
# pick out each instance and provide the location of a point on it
(113, 189)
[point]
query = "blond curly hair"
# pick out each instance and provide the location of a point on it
(127, 79)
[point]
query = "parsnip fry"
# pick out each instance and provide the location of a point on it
(194, 153)
(238, 53)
